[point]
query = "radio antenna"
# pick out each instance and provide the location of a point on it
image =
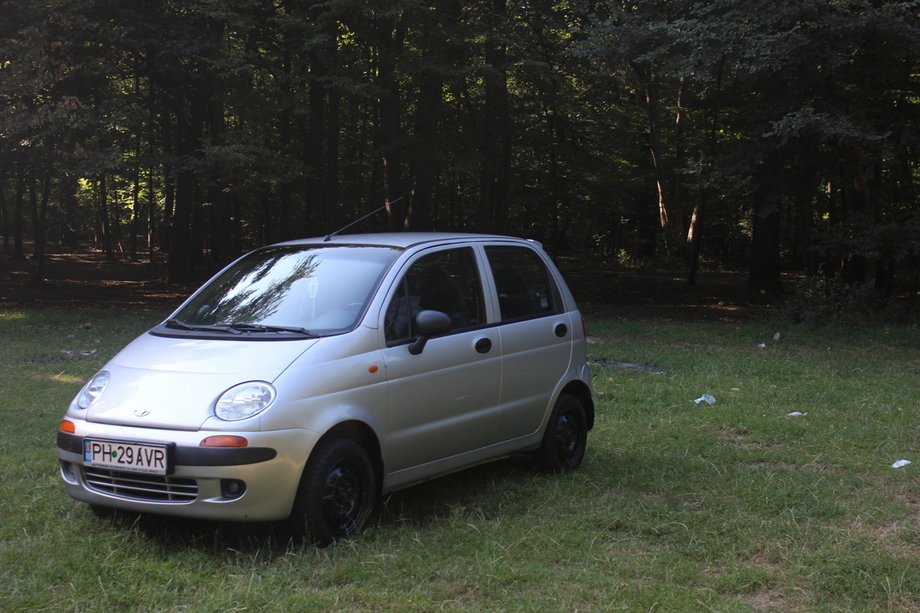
(357, 221)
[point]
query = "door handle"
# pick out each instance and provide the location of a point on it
(483, 345)
(561, 330)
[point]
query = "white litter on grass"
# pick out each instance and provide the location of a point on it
(796, 414)
(762, 345)
(900, 463)
(705, 398)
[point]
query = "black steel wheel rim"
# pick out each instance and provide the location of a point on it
(343, 496)
(566, 437)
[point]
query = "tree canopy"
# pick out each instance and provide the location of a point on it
(755, 135)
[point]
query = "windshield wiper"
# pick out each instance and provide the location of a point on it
(243, 327)
(235, 328)
(179, 324)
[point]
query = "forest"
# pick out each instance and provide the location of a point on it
(760, 136)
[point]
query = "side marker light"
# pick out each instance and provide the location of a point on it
(224, 440)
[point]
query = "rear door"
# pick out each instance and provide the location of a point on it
(536, 336)
(444, 401)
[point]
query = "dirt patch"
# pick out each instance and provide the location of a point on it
(633, 366)
(740, 439)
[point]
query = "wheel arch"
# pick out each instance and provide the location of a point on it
(364, 435)
(580, 390)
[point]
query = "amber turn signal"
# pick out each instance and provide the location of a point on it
(224, 440)
(67, 426)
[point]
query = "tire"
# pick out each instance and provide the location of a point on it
(566, 436)
(336, 492)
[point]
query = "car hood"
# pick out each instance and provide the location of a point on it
(161, 382)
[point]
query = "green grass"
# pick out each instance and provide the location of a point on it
(678, 507)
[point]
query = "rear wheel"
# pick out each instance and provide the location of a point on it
(566, 437)
(336, 493)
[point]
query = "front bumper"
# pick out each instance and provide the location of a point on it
(253, 483)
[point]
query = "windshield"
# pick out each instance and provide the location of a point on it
(306, 290)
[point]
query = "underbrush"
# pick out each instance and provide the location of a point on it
(823, 300)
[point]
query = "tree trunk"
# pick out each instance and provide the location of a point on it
(135, 202)
(105, 223)
(425, 151)
(495, 157)
(805, 232)
(863, 267)
(4, 215)
(764, 275)
(68, 214)
(695, 231)
(189, 120)
(18, 222)
(695, 239)
(39, 215)
(219, 226)
(169, 181)
(389, 38)
(151, 211)
(314, 151)
(669, 217)
(331, 179)
(555, 187)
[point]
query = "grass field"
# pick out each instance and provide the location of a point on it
(734, 506)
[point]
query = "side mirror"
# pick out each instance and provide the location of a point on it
(428, 324)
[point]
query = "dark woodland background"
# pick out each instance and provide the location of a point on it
(761, 136)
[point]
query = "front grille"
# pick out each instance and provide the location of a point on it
(134, 486)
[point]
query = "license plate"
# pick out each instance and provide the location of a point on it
(121, 455)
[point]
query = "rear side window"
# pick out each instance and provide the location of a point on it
(524, 285)
(445, 281)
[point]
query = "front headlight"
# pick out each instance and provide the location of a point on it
(92, 390)
(244, 400)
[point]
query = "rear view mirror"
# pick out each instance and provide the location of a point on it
(428, 324)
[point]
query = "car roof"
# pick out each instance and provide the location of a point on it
(406, 239)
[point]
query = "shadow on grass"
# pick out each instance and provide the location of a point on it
(482, 490)
(479, 490)
(174, 534)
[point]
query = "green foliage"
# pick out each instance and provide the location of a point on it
(822, 300)
(213, 126)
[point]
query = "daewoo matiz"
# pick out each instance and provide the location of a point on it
(309, 377)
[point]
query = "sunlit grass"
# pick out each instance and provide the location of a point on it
(734, 506)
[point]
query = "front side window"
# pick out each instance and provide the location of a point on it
(445, 281)
(525, 288)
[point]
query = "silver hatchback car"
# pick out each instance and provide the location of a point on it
(308, 378)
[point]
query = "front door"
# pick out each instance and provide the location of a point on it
(444, 401)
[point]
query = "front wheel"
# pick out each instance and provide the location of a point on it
(566, 436)
(336, 493)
